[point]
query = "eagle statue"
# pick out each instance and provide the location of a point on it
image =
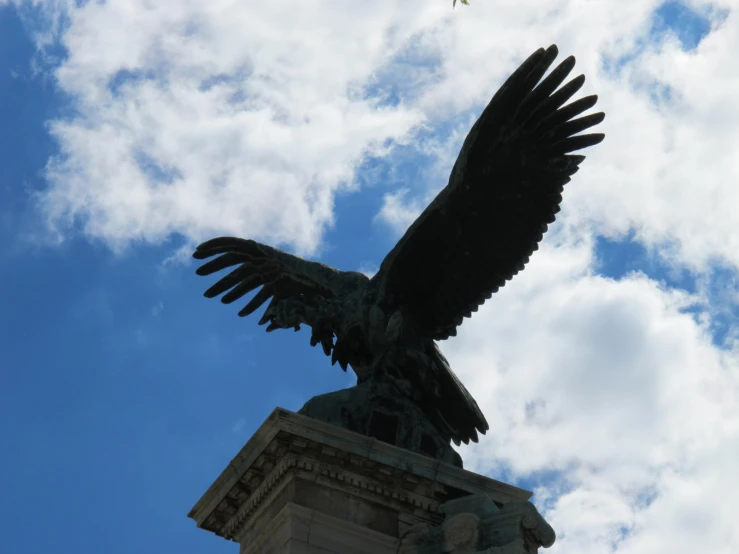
(504, 190)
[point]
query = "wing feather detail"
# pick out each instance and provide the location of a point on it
(504, 190)
(281, 275)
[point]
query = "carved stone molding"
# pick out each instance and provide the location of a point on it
(474, 525)
(389, 493)
(360, 482)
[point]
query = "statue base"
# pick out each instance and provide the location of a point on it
(378, 410)
(304, 486)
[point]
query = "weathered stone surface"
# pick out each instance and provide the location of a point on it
(303, 485)
(297, 529)
(476, 524)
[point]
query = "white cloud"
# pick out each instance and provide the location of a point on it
(229, 125)
(610, 384)
(397, 213)
(235, 125)
(226, 125)
(669, 172)
(369, 269)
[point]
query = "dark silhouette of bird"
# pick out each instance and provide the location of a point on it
(504, 190)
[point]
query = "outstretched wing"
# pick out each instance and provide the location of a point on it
(281, 275)
(504, 189)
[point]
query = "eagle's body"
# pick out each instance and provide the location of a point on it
(477, 233)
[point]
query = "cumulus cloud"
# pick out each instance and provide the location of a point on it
(201, 118)
(204, 118)
(618, 391)
(669, 170)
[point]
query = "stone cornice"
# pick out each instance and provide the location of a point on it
(390, 492)
(289, 443)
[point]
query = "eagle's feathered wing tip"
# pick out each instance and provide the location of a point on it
(219, 245)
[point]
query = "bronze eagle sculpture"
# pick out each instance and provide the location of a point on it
(479, 231)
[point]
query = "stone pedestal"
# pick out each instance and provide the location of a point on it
(304, 486)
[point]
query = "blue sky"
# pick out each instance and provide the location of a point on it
(124, 393)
